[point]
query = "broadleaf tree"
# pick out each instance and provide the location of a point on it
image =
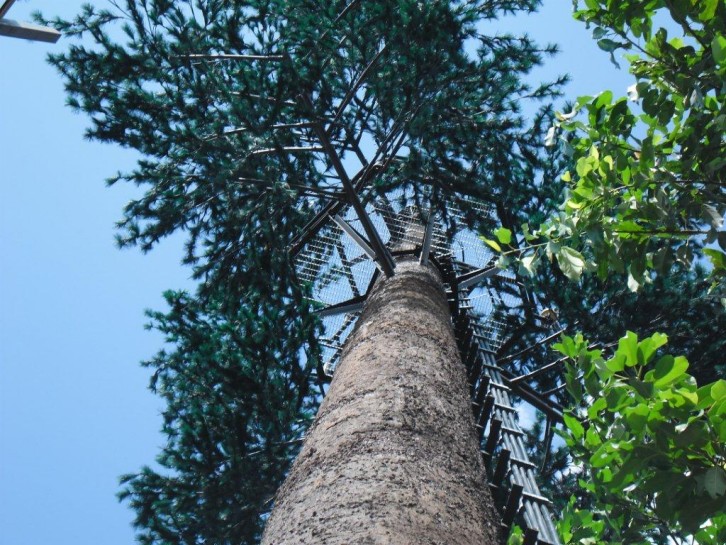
(644, 202)
(209, 93)
(645, 189)
(651, 448)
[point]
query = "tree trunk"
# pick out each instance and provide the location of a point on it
(392, 457)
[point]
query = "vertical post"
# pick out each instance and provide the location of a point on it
(392, 456)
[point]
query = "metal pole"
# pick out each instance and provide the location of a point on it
(5, 7)
(355, 235)
(384, 256)
(26, 31)
(428, 237)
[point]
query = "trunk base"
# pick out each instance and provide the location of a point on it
(393, 456)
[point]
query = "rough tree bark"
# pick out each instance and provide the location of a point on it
(392, 456)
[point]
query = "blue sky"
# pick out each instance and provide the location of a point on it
(74, 409)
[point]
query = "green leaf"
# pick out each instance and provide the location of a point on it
(715, 482)
(573, 424)
(616, 363)
(603, 99)
(668, 369)
(705, 399)
(528, 264)
(647, 347)
(616, 397)
(571, 263)
(516, 536)
(708, 9)
(718, 47)
(592, 439)
(717, 257)
(599, 32)
(633, 284)
(718, 390)
(608, 45)
(644, 388)
(593, 410)
(628, 348)
(504, 235)
(637, 417)
(602, 456)
(492, 243)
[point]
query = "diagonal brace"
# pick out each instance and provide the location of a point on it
(383, 256)
(476, 276)
(428, 237)
(351, 305)
(356, 236)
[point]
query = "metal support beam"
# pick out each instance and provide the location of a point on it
(356, 236)
(512, 506)
(428, 237)
(351, 305)
(530, 348)
(5, 7)
(27, 31)
(474, 277)
(538, 371)
(384, 257)
(537, 400)
(549, 435)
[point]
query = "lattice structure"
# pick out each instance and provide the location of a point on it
(512, 478)
(339, 270)
(487, 306)
(353, 138)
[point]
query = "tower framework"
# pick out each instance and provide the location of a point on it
(341, 127)
(487, 304)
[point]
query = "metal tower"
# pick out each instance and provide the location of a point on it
(360, 225)
(341, 264)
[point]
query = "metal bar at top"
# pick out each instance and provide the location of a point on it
(5, 7)
(26, 31)
(351, 305)
(228, 56)
(428, 237)
(355, 235)
(473, 277)
(383, 255)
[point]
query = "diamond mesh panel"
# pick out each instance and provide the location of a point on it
(338, 269)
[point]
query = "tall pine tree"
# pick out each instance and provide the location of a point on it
(209, 92)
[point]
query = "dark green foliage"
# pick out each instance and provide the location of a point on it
(677, 304)
(237, 386)
(237, 402)
(202, 123)
(214, 136)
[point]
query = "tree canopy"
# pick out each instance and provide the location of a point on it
(644, 204)
(645, 189)
(222, 100)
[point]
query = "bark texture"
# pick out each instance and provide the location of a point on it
(392, 457)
